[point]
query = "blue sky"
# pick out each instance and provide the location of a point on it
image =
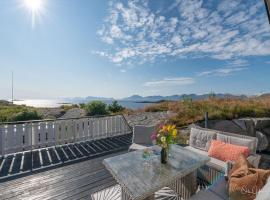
(147, 47)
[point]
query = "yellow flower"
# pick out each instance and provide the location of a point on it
(174, 133)
(171, 128)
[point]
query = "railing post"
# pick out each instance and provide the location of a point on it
(107, 133)
(74, 130)
(54, 133)
(2, 141)
(31, 146)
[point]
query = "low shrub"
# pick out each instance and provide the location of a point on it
(26, 115)
(115, 107)
(96, 108)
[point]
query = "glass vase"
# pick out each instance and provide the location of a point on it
(164, 155)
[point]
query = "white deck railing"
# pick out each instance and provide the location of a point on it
(21, 136)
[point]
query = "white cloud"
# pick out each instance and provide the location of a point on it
(238, 62)
(225, 71)
(137, 33)
(177, 81)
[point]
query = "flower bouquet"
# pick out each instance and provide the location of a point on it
(164, 137)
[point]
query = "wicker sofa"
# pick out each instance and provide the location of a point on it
(215, 171)
(200, 140)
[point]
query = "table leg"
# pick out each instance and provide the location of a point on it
(186, 186)
(124, 195)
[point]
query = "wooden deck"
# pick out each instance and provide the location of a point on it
(28, 162)
(75, 181)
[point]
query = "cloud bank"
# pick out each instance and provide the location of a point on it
(169, 82)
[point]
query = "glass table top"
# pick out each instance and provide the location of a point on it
(138, 178)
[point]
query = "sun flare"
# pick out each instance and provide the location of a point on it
(34, 5)
(36, 8)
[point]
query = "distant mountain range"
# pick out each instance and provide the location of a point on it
(138, 98)
(180, 97)
(85, 99)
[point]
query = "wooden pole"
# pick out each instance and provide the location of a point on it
(206, 120)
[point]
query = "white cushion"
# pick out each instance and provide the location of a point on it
(215, 163)
(221, 165)
(264, 193)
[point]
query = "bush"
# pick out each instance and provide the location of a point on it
(10, 112)
(115, 107)
(95, 108)
(82, 105)
(26, 115)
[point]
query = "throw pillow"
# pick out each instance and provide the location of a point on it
(244, 181)
(225, 151)
(250, 143)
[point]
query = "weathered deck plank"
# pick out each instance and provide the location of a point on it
(75, 181)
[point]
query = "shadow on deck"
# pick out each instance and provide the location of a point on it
(26, 163)
(76, 181)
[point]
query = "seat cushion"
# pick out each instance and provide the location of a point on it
(201, 138)
(214, 163)
(206, 195)
(217, 191)
(220, 188)
(226, 152)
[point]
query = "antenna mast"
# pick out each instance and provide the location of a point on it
(12, 91)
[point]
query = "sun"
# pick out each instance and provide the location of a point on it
(36, 9)
(34, 5)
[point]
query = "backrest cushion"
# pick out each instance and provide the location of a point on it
(234, 139)
(244, 181)
(142, 134)
(226, 152)
(201, 138)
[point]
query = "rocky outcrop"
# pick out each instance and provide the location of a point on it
(74, 113)
(148, 118)
(257, 127)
